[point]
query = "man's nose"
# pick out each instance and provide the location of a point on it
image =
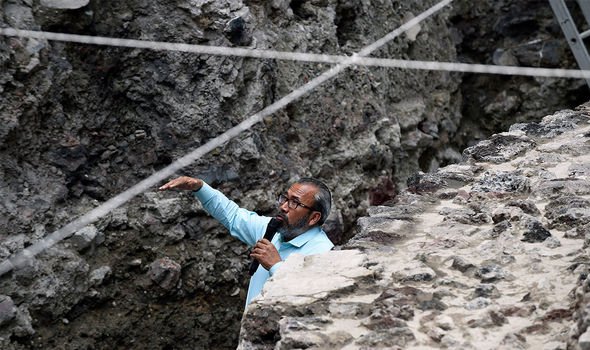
(284, 207)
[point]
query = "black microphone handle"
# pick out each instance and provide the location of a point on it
(271, 229)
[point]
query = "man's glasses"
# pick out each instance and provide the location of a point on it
(292, 202)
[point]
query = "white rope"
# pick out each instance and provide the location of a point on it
(304, 57)
(122, 198)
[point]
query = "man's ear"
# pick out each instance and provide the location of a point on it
(315, 218)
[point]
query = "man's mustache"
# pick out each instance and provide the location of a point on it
(283, 217)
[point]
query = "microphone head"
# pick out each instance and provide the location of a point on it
(275, 223)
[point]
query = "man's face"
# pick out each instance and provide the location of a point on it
(298, 220)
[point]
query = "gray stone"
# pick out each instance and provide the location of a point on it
(409, 113)
(552, 242)
(573, 234)
(247, 150)
(461, 173)
(291, 324)
(463, 265)
(381, 230)
(500, 148)
(86, 237)
(18, 16)
(445, 322)
(486, 291)
(175, 234)
(171, 208)
(453, 230)
(415, 272)
(504, 101)
(505, 214)
(478, 303)
(97, 276)
(56, 281)
(568, 212)
(490, 273)
(499, 228)
(23, 327)
(7, 310)
(527, 206)
(449, 342)
(412, 32)
(416, 139)
(502, 181)
(436, 333)
(490, 319)
(513, 341)
(165, 272)
(579, 232)
(382, 320)
(347, 310)
(119, 218)
(534, 231)
(387, 338)
(64, 4)
(555, 188)
(584, 340)
(346, 266)
(301, 340)
(13, 244)
(236, 31)
(467, 216)
(579, 170)
(551, 126)
(425, 183)
(504, 58)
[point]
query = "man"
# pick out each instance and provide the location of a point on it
(302, 211)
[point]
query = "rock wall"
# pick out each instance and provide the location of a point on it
(513, 33)
(489, 253)
(81, 123)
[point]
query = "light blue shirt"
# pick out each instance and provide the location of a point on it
(249, 227)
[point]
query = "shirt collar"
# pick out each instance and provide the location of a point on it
(303, 238)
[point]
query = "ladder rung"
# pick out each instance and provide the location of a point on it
(574, 37)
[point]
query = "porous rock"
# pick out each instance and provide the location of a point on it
(86, 237)
(534, 231)
(444, 256)
(165, 272)
(568, 211)
(500, 148)
(7, 309)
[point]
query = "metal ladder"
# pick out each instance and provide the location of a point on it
(574, 38)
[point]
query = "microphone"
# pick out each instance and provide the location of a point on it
(271, 229)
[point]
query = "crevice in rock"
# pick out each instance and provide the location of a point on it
(346, 29)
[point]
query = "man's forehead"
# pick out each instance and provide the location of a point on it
(301, 190)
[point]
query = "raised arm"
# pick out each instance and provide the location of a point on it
(243, 224)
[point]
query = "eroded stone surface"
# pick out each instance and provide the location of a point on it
(490, 265)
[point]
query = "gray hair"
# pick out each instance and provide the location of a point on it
(323, 197)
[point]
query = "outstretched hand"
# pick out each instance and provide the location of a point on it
(183, 183)
(266, 253)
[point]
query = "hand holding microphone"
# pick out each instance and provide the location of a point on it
(264, 252)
